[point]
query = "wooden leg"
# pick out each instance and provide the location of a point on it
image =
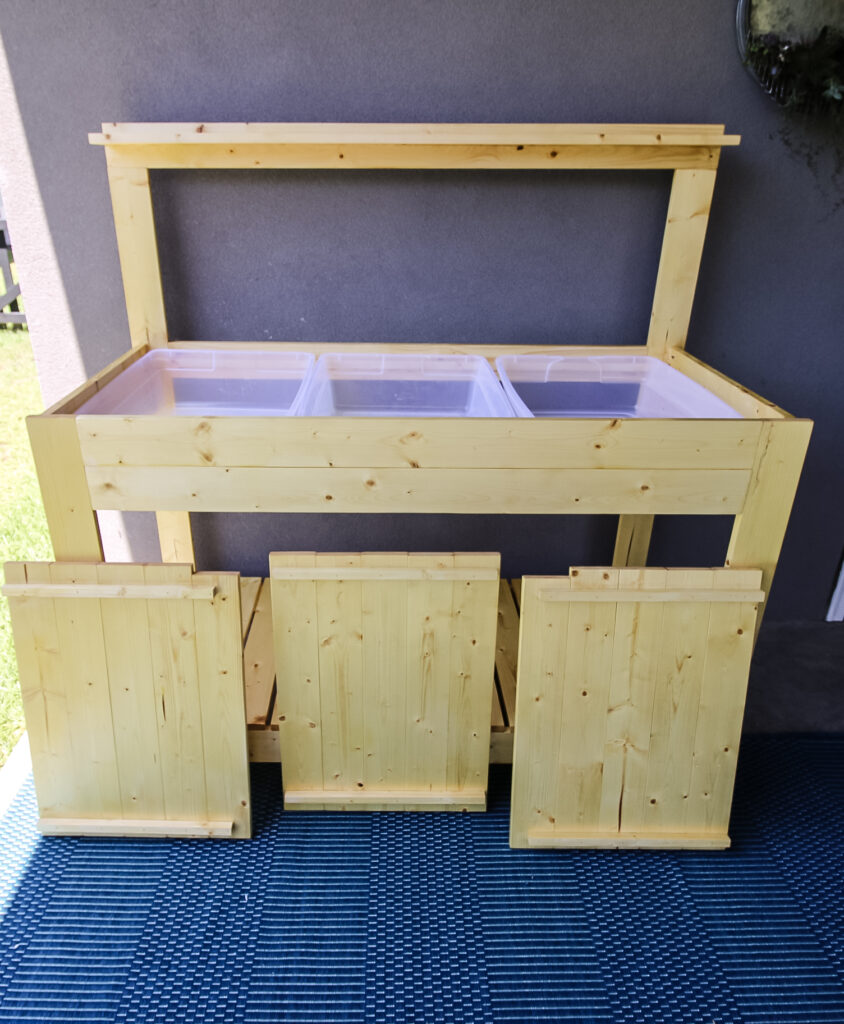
(759, 528)
(71, 518)
(175, 537)
(632, 540)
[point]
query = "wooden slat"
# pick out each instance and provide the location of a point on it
(679, 262)
(296, 639)
(384, 627)
(408, 134)
(71, 402)
(220, 705)
(633, 540)
(171, 633)
(759, 530)
(140, 827)
(133, 696)
(571, 154)
(80, 637)
(250, 588)
(259, 662)
(507, 650)
(526, 491)
(134, 226)
(473, 443)
(388, 799)
(74, 530)
(541, 838)
(674, 596)
(382, 573)
(110, 591)
(175, 537)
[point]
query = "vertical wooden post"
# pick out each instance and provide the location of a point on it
(679, 262)
(759, 528)
(71, 518)
(135, 229)
(632, 540)
(175, 537)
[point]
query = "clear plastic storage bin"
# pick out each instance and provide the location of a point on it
(363, 384)
(605, 386)
(206, 382)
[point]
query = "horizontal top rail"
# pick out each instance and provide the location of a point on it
(374, 134)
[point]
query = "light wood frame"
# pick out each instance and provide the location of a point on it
(748, 467)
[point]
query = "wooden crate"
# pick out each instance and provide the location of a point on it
(385, 667)
(133, 694)
(629, 706)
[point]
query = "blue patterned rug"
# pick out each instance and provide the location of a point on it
(432, 918)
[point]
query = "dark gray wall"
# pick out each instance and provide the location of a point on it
(410, 257)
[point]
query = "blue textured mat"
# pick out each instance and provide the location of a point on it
(418, 918)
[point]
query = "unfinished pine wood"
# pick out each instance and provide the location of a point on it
(146, 829)
(632, 541)
(259, 661)
(759, 529)
(628, 709)
(483, 491)
(679, 261)
(742, 399)
(175, 537)
(74, 530)
(134, 706)
(70, 403)
(134, 226)
(404, 443)
(384, 685)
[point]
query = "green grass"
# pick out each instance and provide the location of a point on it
(23, 528)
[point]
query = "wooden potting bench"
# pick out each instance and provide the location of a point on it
(746, 467)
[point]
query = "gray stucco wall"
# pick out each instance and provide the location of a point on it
(442, 257)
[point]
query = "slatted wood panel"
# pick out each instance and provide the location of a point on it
(629, 706)
(385, 675)
(132, 682)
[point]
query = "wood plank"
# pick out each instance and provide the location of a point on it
(633, 539)
(384, 615)
(464, 799)
(43, 692)
(297, 643)
(220, 704)
(429, 675)
(677, 693)
(175, 537)
(79, 632)
(341, 676)
(527, 491)
(585, 684)
(679, 262)
(719, 719)
(259, 662)
(74, 530)
(759, 529)
(140, 827)
(408, 134)
(540, 838)
(111, 591)
(133, 698)
(264, 746)
(382, 572)
(507, 650)
(677, 595)
(474, 607)
(570, 155)
(134, 226)
(172, 643)
(403, 443)
(543, 636)
(250, 588)
(631, 701)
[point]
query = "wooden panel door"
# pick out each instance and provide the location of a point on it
(384, 666)
(630, 696)
(132, 682)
